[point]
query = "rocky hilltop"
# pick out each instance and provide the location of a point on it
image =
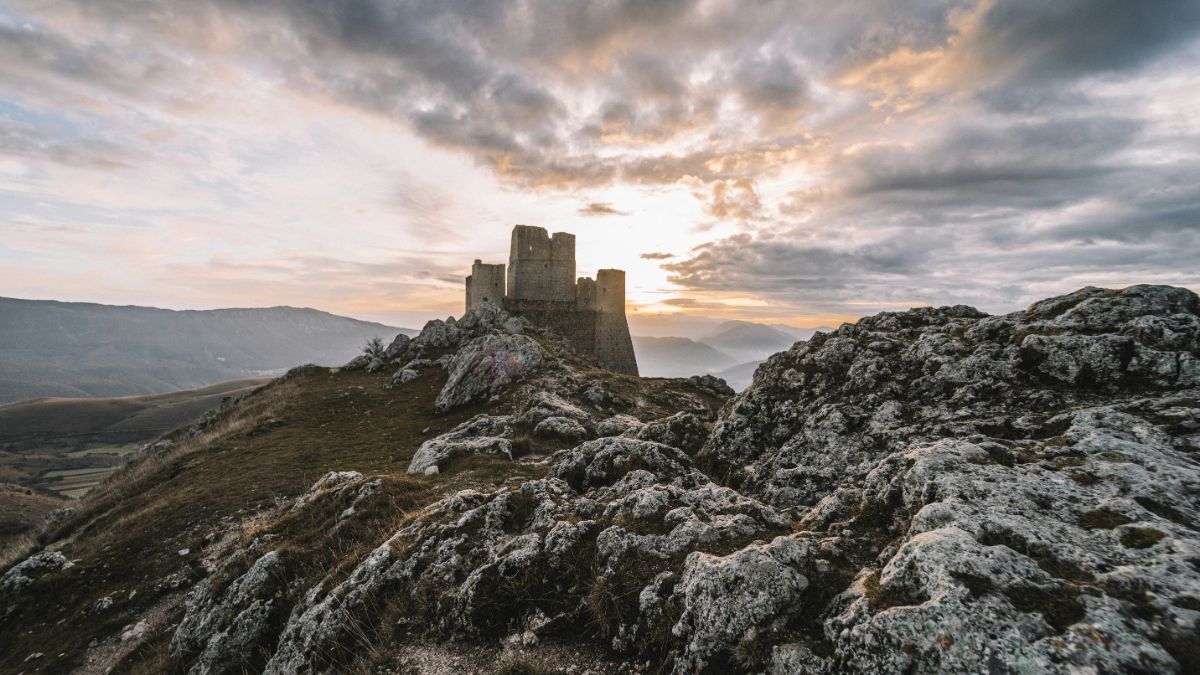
(935, 490)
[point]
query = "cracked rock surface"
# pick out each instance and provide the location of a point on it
(930, 491)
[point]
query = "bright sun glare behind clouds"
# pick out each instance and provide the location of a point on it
(802, 163)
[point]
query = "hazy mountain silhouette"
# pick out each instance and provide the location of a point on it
(677, 357)
(50, 348)
(746, 341)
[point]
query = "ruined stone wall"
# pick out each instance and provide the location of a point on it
(613, 343)
(577, 325)
(540, 285)
(604, 335)
(541, 267)
(486, 284)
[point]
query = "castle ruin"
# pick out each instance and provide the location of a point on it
(541, 286)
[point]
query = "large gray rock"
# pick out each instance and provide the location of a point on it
(398, 348)
(544, 405)
(730, 601)
(561, 428)
(24, 573)
(221, 629)
(486, 365)
(482, 434)
(682, 430)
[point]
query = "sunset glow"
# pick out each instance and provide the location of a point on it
(806, 163)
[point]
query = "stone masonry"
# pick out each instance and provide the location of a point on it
(540, 285)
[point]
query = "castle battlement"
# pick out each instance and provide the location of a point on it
(540, 285)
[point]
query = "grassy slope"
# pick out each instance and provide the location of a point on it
(47, 434)
(112, 419)
(276, 444)
(23, 509)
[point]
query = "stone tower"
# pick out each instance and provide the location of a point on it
(541, 267)
(486, 284)
(541, 287)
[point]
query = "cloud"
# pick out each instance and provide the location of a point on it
(865, 152)
(600, 209)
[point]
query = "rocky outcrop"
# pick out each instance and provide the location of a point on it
(487, 364)
(24, 573)
(1013, 493)
(682, 430)
(611, 519)
(482, 434)
(935, 490)
(223, 627)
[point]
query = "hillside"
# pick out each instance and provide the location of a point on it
(677, 357)
(68, 445)
(936, 490)
(71, 349)
(746, 341)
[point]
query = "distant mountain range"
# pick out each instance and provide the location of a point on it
(677, 357)
(73, 349)
(50, 348)
(727, 349)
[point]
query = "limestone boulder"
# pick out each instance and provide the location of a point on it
(682, 430)
(486, 365)
(222, 627)
(619, 425)
(712, 384)
(482, 434)
(561, 428)
(544, 404)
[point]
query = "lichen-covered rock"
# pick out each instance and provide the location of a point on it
(544, 405)
(397, 348)
(603, 461)
(618, 425)
(482, 434)
(731, 601)
(438, 334)
(486, 365)
(713, 385)
(24, 573)
(404, 376)
(682, 430)
(526, 559)
(821, 414)
(1034, 556)
(563, 428)
(223, 629)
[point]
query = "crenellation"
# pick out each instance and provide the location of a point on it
(540, 284)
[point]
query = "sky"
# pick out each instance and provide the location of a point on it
(797, 162)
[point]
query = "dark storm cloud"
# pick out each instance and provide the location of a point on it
(1016, 156)
(1054, 40)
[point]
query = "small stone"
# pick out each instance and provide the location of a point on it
(136, 632)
